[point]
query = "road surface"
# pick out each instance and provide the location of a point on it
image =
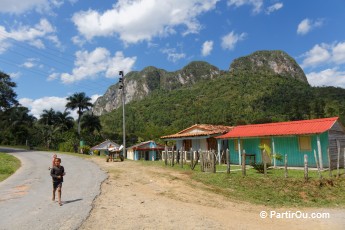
(25, 197)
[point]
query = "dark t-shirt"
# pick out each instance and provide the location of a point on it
(57, 171)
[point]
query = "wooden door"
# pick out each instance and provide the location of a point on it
(265, 157)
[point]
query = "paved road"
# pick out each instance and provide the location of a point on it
(25, 197)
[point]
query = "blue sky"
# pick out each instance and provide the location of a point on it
(54, 48)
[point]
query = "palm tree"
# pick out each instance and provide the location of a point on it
(81, 102)
(91, 123)
(48, 117)
(64, 121)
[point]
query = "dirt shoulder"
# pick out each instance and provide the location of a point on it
(140, 197)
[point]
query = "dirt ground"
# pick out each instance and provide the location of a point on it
(141, 197)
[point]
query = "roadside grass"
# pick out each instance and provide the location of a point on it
(273, 190)
(8, 165)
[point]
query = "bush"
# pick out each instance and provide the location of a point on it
(85, 149)
(259, 166)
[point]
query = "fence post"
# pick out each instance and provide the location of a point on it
(201, 161)
(317, 165)
(214, 161)
(329, 163)
(338, 160)
(173, 158)
(166, 155)
(305, 167)
(285, 166)
(265, 163)
(191, 158)
(243, 163)
(181, 157)
(227, 161)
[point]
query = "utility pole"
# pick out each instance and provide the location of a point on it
(122, 86)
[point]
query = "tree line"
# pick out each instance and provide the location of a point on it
(53, 129)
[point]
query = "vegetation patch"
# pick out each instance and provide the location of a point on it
(273, 190)
(9, 164)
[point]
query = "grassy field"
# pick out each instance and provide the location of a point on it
(273, 190)
(8, 165)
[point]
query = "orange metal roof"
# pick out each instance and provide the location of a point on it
(282, 128)
(200, 130)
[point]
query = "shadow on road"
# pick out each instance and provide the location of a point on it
(11, 150)
(71, 201)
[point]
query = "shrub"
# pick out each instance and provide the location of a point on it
(259, 166)
(85, 149)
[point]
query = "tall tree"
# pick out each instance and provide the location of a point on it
(81, 102)
(90, 123)
(7, 94)
(64, 121)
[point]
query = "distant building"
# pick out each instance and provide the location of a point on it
(200, 137)
(294, 138)
(103, 147)
(148, 151)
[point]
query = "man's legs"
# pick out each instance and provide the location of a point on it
(54, 190)
(59, 194)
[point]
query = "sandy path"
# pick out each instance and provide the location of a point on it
(139, 197)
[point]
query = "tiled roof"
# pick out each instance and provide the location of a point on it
(282, 128)
(200, 130)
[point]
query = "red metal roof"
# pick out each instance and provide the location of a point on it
(282, 128)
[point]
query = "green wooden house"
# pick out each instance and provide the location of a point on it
(294, 138)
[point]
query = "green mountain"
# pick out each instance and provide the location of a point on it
(240, 96)
(140, 84)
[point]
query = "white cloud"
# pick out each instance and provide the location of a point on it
(173, 55)
(274, 7)
(230, 40)
(306, 25)
(322, 54)
(256, 4)
(22, 6)
(339, 53)
(207, 48)
(36, 106)
(15, 75)
(92, 64)
(141, 20)
(318, 54)
(33, 35)
(328, 77)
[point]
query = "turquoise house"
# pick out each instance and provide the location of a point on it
(148, 151)
(294, 138)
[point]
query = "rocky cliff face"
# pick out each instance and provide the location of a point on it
(269, 62)
(140, 84)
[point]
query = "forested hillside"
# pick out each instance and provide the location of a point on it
(240, 97)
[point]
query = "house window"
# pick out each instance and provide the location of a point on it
(236, 144)
(304, 143)
(187, 145)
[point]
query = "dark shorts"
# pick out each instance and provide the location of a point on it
(57, 184)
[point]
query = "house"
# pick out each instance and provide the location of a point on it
(148, 150)
(103, 147)
(294, 138)
(200, 136)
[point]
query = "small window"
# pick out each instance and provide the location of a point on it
(236, 144)
(304, 143)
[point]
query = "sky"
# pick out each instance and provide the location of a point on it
(55, 48)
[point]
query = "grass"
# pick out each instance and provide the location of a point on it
(273, 190)
(9, 164)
